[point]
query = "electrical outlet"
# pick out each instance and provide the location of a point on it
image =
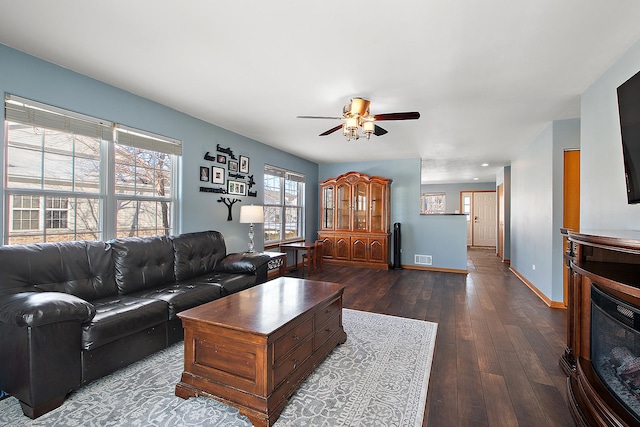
(533, 266)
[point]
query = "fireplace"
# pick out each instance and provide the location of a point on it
(602, 356)
(615, 348)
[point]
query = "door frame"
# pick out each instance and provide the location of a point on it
(500, 225)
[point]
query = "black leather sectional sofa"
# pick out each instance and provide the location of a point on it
(73, 312)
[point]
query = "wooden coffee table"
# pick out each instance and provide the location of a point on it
(252, 349)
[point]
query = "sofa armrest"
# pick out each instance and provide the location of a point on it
(247, 263)
(43, 308)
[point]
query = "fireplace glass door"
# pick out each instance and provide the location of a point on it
(615, 347)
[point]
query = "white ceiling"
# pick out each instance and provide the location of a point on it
(486, 76)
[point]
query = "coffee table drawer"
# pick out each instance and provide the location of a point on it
(290, 363)
(291, 339)
(328, 312)
(324, 332)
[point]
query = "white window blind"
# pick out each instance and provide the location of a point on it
(32, 113)
(147, 141)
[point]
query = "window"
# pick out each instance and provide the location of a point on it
(433, 203)
(74, 177)
(466, 207)
(26, 213)
(56, 212)
(283, 205)
(143, 183)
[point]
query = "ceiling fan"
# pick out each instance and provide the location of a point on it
(356, 115)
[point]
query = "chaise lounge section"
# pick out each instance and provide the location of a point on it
(72, 312)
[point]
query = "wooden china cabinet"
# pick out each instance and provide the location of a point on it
(354, 220)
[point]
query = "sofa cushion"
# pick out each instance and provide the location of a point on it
(197, 253)
(79, 268)
(229, 283)
(119, 316)
(183, 296)
(142, 263)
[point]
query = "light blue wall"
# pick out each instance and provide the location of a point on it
(32, 78)
(603, 199)
(531, 211)
(453, 192)
(566, 136)
(537, 206)
(441, 236)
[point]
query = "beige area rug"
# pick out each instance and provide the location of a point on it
(379, 377)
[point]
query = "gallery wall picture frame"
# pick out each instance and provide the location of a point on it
(204, 173)
(244, 164)
(236, 187)
(217, 175)
(222, 159)
(233, 166)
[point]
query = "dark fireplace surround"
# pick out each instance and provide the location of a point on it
(602, 357)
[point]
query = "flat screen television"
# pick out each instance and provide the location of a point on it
(629, 109)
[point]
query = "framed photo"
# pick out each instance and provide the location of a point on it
(222, 159)
(236, 187)
(233, 166)
(204, 173)
(217, 175)
(244, 164)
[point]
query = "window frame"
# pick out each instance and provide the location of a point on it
(286, 178)
(427, 200)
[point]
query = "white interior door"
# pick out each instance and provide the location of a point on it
(484, 218)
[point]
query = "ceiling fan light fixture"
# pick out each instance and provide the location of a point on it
(352, 123)
(350, 133)
(368, 127)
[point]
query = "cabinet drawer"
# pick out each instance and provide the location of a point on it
(292, 362)
(291, 339)
(326, 313)
(325, 331)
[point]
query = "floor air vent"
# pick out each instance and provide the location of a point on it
(422, 259)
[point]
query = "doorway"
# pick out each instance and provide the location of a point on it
(571, 204)
(480, 209)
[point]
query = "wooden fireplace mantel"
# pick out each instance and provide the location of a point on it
(610, 260)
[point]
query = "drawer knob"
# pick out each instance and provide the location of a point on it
(295, 337)
(295, 363)
(327, 330)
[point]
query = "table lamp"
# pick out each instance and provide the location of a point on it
(250, 215)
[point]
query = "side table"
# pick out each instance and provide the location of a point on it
(277, 264)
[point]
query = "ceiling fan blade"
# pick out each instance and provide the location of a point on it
(378, 131)
(398, 116)
(318, 117)
(332, 130)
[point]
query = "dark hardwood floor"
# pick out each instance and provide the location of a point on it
(498, 344)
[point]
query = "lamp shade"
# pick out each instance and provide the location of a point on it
(251, 214)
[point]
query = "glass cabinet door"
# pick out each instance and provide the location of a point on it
(343, 197)
(377, 208)
(328, 208)
(361, 207)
